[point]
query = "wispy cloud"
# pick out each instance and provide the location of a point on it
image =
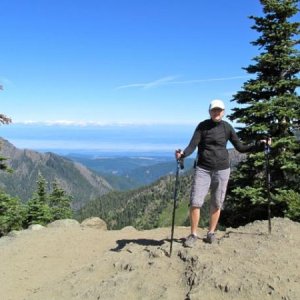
(170, 80)
(5, 82)
(148, 85)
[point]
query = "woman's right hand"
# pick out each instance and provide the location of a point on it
(178, 154)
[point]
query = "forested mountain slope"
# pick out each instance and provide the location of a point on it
(149, 206)
(140, 208)
(78, 181)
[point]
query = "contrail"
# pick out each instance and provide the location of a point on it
(148, 85)
(170, 80)
(209, 79)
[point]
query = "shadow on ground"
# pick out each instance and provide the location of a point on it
(143, 242)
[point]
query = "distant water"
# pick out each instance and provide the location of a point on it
(105, 140)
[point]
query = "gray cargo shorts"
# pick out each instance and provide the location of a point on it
(215, 180)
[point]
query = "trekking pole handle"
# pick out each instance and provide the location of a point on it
(180, 158)
(267, 143)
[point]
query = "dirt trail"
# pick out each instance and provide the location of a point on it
(85, 263)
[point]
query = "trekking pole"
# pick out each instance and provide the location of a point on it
(268, 181)
(180, 165)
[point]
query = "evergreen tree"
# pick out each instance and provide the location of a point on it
(4, 119)
(12, 213)
(3, 166)
(11, 209)
(60, 203)
(38, 210)
(269, 105)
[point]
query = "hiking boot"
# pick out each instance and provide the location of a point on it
(210, 238)
(190, 241)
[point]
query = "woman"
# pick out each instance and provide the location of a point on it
(212, 169)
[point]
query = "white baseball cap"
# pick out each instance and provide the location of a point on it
(216, 104)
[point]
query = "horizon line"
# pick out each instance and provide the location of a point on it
(100, 124)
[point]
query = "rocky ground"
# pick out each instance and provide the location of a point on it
(72, 261)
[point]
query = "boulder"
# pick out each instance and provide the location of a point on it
(129, 228)
(35, 227)
(64, 223)
(94, 222)
(15, 233)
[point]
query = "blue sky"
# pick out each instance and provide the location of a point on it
(122, 61)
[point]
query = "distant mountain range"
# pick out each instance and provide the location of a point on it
(77, 180)
(131, 172)
(87, 178)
